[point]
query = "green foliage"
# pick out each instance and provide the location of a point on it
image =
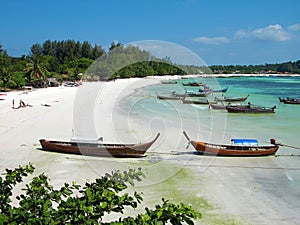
(75, 204)
(73, 57)
(287, 67)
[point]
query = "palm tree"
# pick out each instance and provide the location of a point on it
(5, 76)
(36, 70)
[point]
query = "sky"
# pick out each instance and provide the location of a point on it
(221, 32)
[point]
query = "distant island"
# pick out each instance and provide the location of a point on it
(53, 62)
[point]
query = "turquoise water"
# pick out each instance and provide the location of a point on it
(220, 126)
(277, 178)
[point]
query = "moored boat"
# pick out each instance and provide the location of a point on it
(195, 101)
(250, 109)
(207, 89)
(230, 99)
(238, 147)
(98, 149)
(190, 94)
(294, 101)
(172, 97)
(193, 84)
(168, 82)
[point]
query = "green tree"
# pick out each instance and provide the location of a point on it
(5, 77)
(75, 204)
(35, 69)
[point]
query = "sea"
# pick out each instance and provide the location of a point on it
(171, 117)
(219, 126)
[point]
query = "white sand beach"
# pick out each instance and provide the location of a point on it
(228, 184)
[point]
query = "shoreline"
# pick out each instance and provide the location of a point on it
(229, 184)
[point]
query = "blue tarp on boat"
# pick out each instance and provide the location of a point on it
(244, 141)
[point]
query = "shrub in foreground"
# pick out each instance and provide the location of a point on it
(41, 203)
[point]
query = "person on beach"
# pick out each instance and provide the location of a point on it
(13, 103)
(22, 104)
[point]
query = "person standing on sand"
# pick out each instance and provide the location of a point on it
(13, 103)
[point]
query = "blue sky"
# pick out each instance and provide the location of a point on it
(220, 32)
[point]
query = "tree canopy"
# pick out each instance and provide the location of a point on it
(68, 59)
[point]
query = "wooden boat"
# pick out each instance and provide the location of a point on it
(172, 97)
(220, 106)
(249, 109)
(294, 101)
(193, 84)
(168, 82)
(238, 147)
(190, 94)
(98, 149)
(229, 99)
(212, 90)
(195, 101)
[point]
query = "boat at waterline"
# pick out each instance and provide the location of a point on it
(239, 147)
(206, 89)
(168, 82)
(172, 97)
(195, 101)
(98, 149)
(190, 94)
(193, 84)
(294, 101)
(250, 109)
(230, 99)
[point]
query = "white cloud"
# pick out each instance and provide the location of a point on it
(268, 33)
(294, 27)
(212, 40)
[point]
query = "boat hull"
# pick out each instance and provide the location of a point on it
(234, 150)
(246, 109)
(98, 149)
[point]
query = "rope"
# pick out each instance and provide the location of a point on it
(298, 148)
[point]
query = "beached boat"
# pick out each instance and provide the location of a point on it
(250, 109)
(172, 97)
(190, 94)
(98, 149)
(193, 84)
(238, 147)
(168, 82)
(294, 101)
(230, 99)
(220, 106)
(196, 101)
(213, 90)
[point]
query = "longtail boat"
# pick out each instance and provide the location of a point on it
(172, 97)
(206, 89)
(294, 101)
(168, 82)
(98, 149)
(193, 84)
(239, 147)
(250, 109)
(190, 94)
(230, 99)
(195, 101)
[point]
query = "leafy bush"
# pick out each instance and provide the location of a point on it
(75, 204)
